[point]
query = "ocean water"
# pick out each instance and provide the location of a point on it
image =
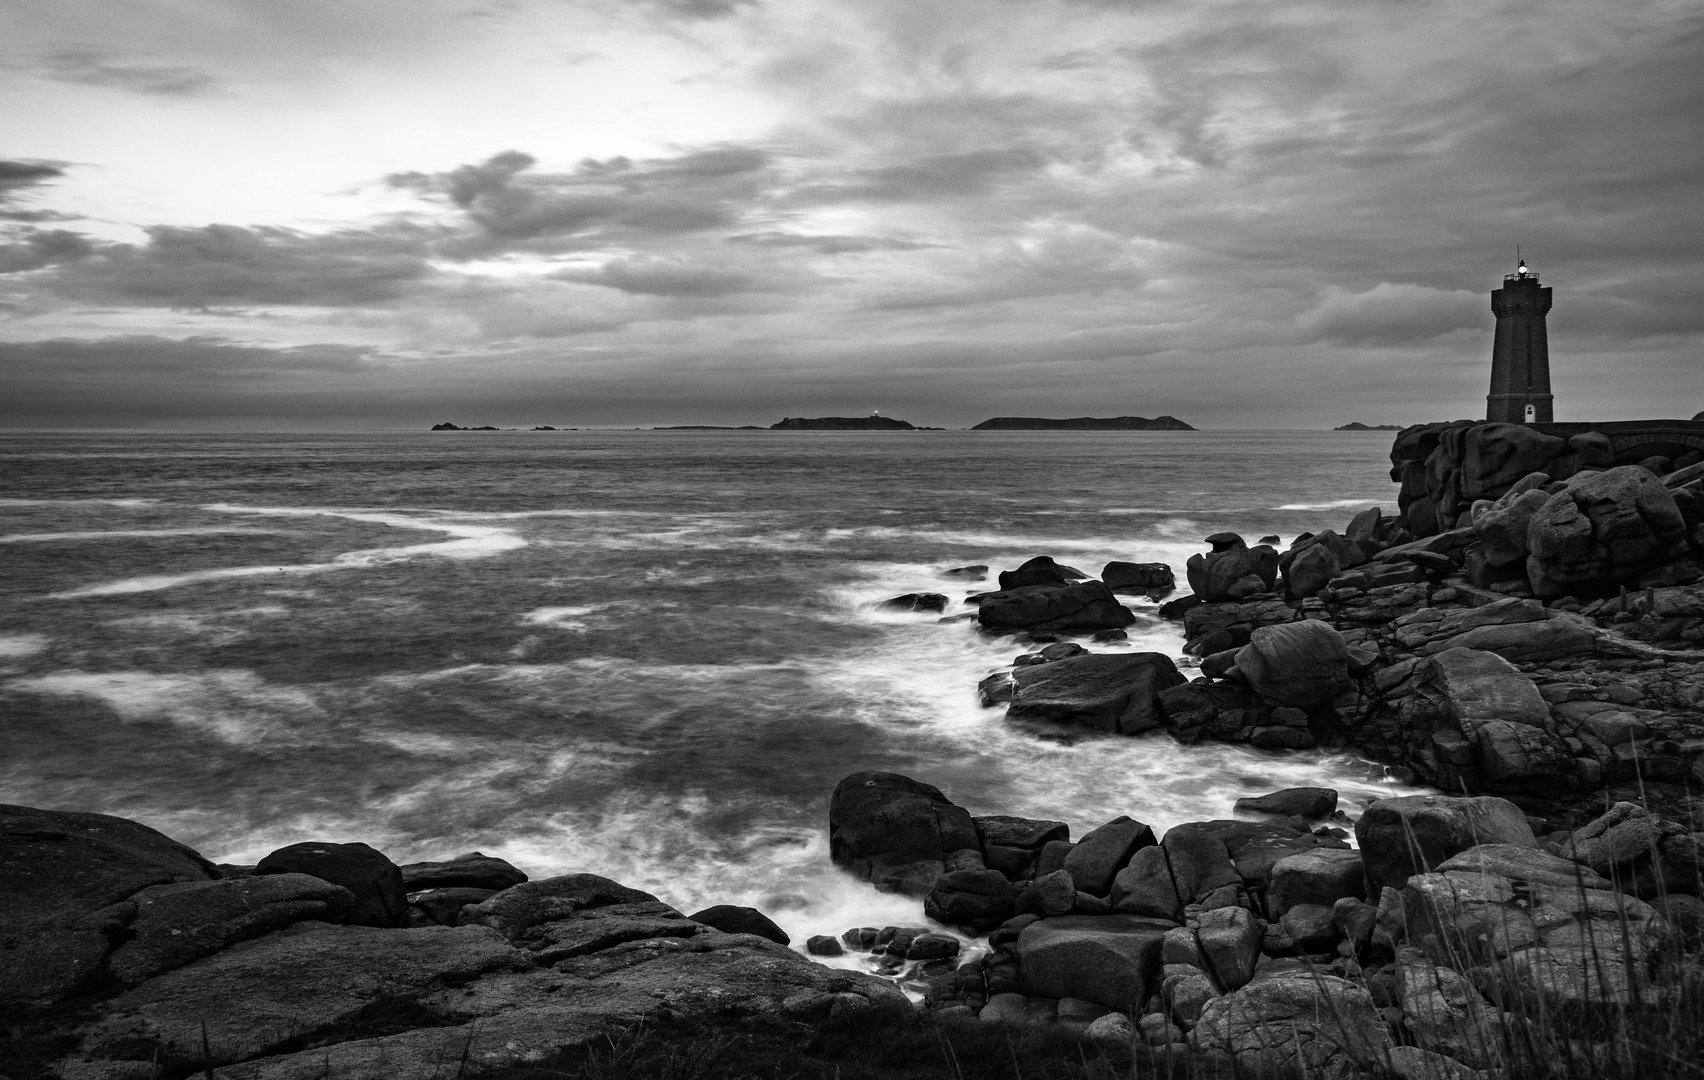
(644, 654)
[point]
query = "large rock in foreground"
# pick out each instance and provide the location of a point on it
(1318, 1027)
(1107, 959)
(1109, 691)
(65, 883)
(1085, 606)
(1541, 931)
(1414, 834)
(895, 832)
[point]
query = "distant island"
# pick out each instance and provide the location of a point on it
(708, 427)
(1083, 423)
(1364, 427)
(447, 426)
(845, 423)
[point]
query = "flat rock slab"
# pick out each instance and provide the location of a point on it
(309, 980)
(1107, 959)
(178, 924)
(1109, 691)
(471, 871)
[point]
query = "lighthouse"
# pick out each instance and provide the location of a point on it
(1520, 356)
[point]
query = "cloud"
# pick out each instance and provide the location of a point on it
(599, 202)
(663, 277)
(19, 180)
(827, 244)
(92, 67)
(36, 248)
(212, 265)
(1391, 314)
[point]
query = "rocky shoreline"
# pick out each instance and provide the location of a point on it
(1513, 929)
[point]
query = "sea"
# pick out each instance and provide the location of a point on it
(645, 654)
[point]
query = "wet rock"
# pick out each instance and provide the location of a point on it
(1200, 709)
(1645, 854)
(442, 907)
(1311, 927)
(180, 923)
(732, 919)
(824, 945)
(1041, 570)
(981, 899)
(1102, 853)
(376, 882)
(1109, 691)
(967, 573)
(1309, 571)
(1299, 664)
(1232, 570)
(895, 832)
(1108, 959)
(1415, 833)
(1562, 945)
(471, 871)
(1151, 579)
(1499, 711)
(1502, 529)
(1320, 1027)
(1012, 845)
(1112, 1030)
(1199, 860)
(518, 911)
(1185, 993)
(65, 880)
(929, 601)
(1322, 877)
(1229, 939)
(1303, 802)
(1145, 887)
(1049, 897)
(1083, 607)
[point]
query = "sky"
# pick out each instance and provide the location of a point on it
(331, 215)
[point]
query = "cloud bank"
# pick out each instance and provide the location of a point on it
(1241, 214)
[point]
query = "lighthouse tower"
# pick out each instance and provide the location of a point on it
(1520, 358)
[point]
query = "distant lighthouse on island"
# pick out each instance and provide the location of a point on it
(1520, 356)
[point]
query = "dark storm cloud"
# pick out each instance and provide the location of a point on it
(213, 265)
(19, 180)
(33, 249)
(598, 201)
(16, 175)
(90, 67)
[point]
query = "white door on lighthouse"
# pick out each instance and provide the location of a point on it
(1531, 414)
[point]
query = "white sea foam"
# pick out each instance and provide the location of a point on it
(471, 542)
(234, 706)
(79, 502)
(1334, 504)
(922, 676)
(130, 534)
(18, 646)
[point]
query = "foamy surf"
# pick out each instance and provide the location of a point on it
(471, 542)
